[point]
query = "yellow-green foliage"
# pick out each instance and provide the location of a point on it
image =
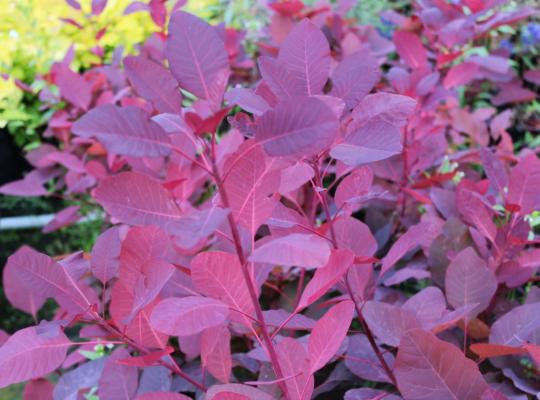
(33, 37)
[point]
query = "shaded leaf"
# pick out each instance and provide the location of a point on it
(427, 367)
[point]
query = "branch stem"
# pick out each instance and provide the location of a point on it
(365, 327)
(247, 276)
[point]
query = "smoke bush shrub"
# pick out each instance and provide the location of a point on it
(341, 221)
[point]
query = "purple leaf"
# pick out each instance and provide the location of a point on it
(117, 381)
(98, 6)
(73, 87)
(517, 326)
(85, 376)
(427, 367)
(31, 277)
(197, 56)
(197, 226)
(67, 216)
(354, 77)
(30, 354)
(306, 55)
(328, 334)
(297, 127)
(30, 186)
(374, 140)
(301, 250)
(428, 306)
(187, 316)
(524, 179)
(388, 322)
(247, 100)
(277, 77)
(363, 362)
(105, 256)
(151, 280)
(392, 108)
(137, 199)
(494, 169)
(128, 131)
(154, 82)
(469, 281)
(369, 394)
(162, 396)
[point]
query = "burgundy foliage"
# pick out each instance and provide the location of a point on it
(336, 219)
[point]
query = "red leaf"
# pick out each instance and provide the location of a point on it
(39, 389)
(295, 366)
(461, 74)
(328, 334)
(146, 360)
(326, 277)
(301, 250)
(216, 352)
(128, 131)
(427, 367)
(219, 275)
(251, 179)
(487, 350)
(297, 127)
(410, 49)
(208, 125)
(155, 83)
(222, 392)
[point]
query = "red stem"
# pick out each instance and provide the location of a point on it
(405, 178)
(247, 276)
(142, 349)
(365, 327)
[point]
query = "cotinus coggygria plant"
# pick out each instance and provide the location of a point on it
(341, 225)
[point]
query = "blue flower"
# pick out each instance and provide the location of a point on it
(507, 45)
(530, 35)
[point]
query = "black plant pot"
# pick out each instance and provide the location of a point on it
(13, 165)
